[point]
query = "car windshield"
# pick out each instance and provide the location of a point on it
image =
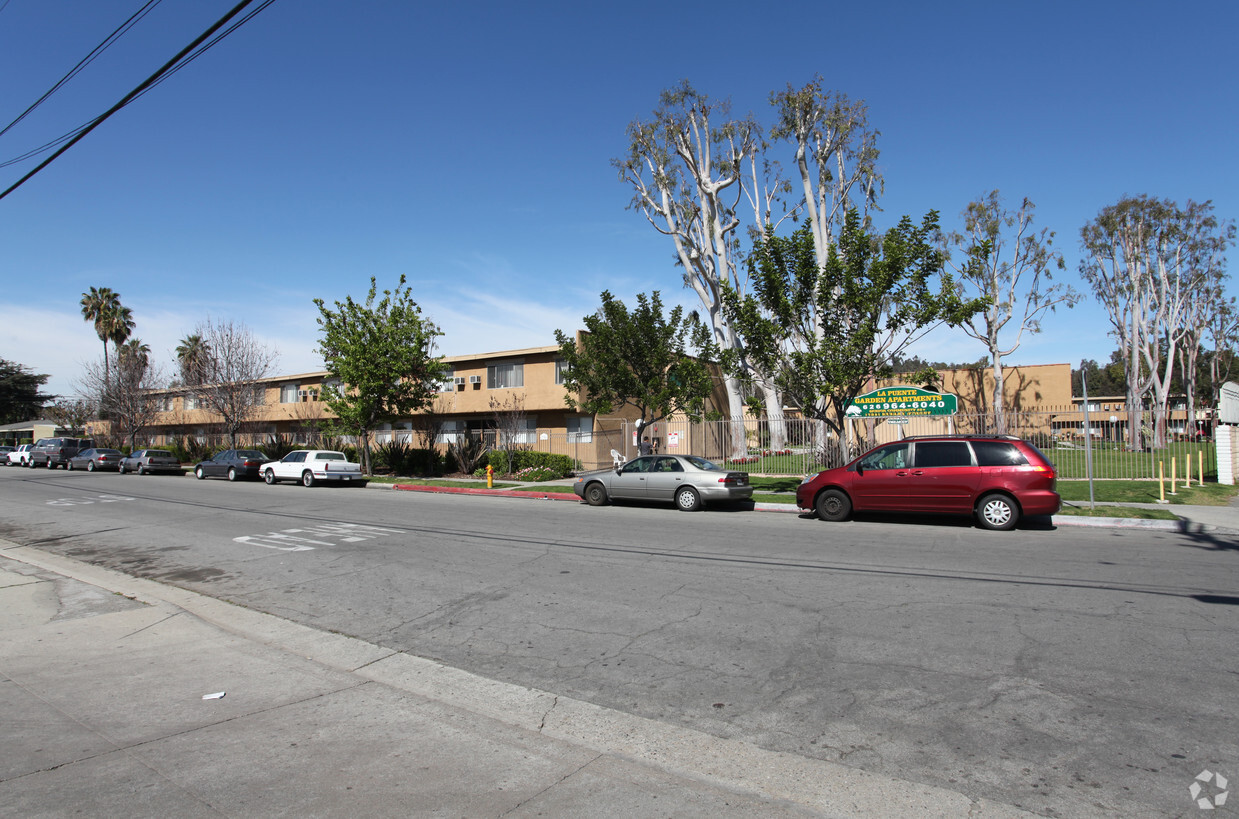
(702, 463)
(156, 453)
(107, 451)
(248, 453)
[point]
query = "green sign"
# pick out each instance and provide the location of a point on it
(901, 402)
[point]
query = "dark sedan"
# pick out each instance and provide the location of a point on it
(233, 464)
(145, 461)
(95, 459)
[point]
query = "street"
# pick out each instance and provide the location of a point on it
(1066, 671)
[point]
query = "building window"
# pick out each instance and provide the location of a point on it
(450, 433)
(580, 429)
(560, 366)
(503, 376)
(449, 382)
(191, 402)
(288, 394)
(260, 396)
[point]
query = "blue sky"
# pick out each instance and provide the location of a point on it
(468, 147)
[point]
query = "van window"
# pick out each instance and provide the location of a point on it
(998, 453)
(932, 454)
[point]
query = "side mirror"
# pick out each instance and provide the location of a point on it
(860, 469)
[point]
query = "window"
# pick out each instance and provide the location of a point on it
(930, 454)
(580, 429)
(449, 382)
(191, 402)
(529, 434)
(288, 394)
(997, 453)
(894, 456)
(503, 376)
(450, 433)
(560, 366)
(260, 396)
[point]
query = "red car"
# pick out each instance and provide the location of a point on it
(996, 478)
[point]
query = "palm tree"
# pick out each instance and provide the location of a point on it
(98, 305)
(193, 356)
(119, 324)
(134, 352)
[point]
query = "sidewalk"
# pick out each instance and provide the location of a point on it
(105, 710)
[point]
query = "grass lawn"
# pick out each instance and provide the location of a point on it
(1211, 494)
(1117, 512)
(437, 482)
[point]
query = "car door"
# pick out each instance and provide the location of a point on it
(218, 466)
(944, 478)
(881, 479)
(665, 477)
(290, 466)
(630, 483)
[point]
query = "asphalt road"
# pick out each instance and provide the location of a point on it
(1082, 671)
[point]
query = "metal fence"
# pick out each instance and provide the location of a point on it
(801, 447)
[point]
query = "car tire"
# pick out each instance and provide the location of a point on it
(596, 494)
(998, 512)
(68, 466)
(141, 470)
(200, 473)
(269, 477)
(687, 499)
(307, 478)
(232, 474)
(120, 468)
(833, 505)
(90, 466)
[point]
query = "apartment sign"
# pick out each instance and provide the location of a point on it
(901, 403)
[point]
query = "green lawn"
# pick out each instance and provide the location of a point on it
(1211, 494)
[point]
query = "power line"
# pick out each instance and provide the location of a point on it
(164, 71)
(88, 59)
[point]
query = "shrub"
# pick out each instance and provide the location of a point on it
(536, 474)
(408, 461)
(558, 465)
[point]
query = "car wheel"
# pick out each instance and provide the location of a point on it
(687, 499)
(232, 473)
(200, 473)
(307, 478)
(141, 470)
(90, 465)
(833, 505)
(596, 494)
(997, 512)
(68, 466)
(120, 468)
(269, 477)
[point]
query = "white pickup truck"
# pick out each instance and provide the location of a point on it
(310, 466)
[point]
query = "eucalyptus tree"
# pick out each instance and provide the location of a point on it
(685, 169)
(382, 354)
(1147, 260)
(1009, 266)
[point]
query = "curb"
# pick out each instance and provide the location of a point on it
(1057, 520)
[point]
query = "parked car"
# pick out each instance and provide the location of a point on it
(685, 480)
(54, 452)
(996, 478)
(95, 459)
(5, 450)
(19, 456)
(311, 466)
(233, 464)
(143, 461)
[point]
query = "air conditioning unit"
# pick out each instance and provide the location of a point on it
(304, 395)
(475, 379)
(459, 381)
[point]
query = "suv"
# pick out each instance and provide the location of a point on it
(54, 452)
(996, 478)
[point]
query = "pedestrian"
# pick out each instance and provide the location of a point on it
(644, 447)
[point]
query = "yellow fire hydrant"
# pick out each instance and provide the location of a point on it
(490, 477)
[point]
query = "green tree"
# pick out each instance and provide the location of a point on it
(639, 359)
(383, 356)
(20, 399)
(825, 331)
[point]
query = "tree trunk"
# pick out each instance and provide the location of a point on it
(1000, 418)
(774, 416)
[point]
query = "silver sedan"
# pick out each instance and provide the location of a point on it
(685, 480)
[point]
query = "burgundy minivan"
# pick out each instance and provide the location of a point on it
(996, 478)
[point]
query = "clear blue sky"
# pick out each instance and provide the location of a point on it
(467, 146)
